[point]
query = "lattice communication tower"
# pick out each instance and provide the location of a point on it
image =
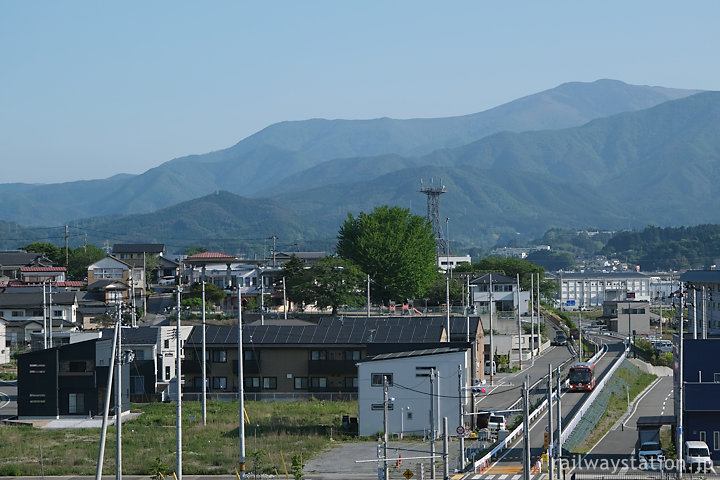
(433, 213)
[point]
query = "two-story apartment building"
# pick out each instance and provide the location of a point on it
(314, 359)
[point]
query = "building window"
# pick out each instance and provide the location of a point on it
(301, 383)
(270, 383)
(197, 382)
(220, 383)
(352, 354)
(139, 354)
(351, 382)
(252, 382)
(219, 356)
(318, 355)
(18, 313)
(377, 379)
(250, 355)
(166, 343)
(318, 382)
(58, 314)
(716, 377)
(77, 366)
(716, 440)
(702, 435)
(167, 373)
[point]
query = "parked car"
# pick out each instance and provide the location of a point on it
(663, 346)
(696, 456)
(487, 367)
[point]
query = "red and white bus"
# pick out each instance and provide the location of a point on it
(582, 376)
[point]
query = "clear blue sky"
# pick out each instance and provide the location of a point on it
(89, 89)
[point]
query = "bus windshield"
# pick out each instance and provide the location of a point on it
(580, 376)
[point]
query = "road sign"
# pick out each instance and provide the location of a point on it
(408, 474)
(460, 430)
(547, 429)
(547, 440)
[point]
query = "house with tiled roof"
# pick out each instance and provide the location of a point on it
(12, 261)
(113, 279)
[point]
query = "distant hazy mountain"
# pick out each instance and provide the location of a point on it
(292, 156)
(655, 166)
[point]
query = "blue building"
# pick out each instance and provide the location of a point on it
(701, 376)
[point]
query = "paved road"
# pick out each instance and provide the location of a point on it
(510, 463)
(8, 399)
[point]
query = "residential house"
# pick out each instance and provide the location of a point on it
(68, 380)
(113, 279)
(139, 254)
(413, 393)
(505, 298)
(12, 261)
(592, 289)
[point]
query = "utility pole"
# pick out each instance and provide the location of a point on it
(67, 247)
(274, 239)
(108, 396)
(368, 296)
(178, 376)
(50, 312)
(467, 310)
(45, 332)
(492, 351)
(386, 472)
(118, 403)
(433, 423)
(558, 450)
(681, 389)
(461, 423)
(285, 304)
(532, 315)
(519, 327)
(204, 359)
(550, 424)
(262, 299)
(447, 300)
(241, 391)
(526, 431)
(446, 466)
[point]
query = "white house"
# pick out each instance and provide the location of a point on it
(450, 261)
(411, 394)
(504, 294)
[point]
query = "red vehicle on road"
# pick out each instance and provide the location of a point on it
(582, 376)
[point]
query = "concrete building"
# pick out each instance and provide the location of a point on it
(702, 296)
(409, 387)
(592, 289)
(632, 315)
(452, 261)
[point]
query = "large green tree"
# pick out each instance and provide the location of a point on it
(81, 258)
(52, 252)
(331, 282)
(394, 247)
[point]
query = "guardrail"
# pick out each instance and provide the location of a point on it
(591, 398)
(519, 429)
(543, 405)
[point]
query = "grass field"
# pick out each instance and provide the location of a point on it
(277, 431)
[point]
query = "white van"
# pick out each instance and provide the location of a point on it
(696, 456)
(487, 368)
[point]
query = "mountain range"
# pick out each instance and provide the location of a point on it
(603, 154)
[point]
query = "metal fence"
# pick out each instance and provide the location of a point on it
(274, 397)
(642, 475)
